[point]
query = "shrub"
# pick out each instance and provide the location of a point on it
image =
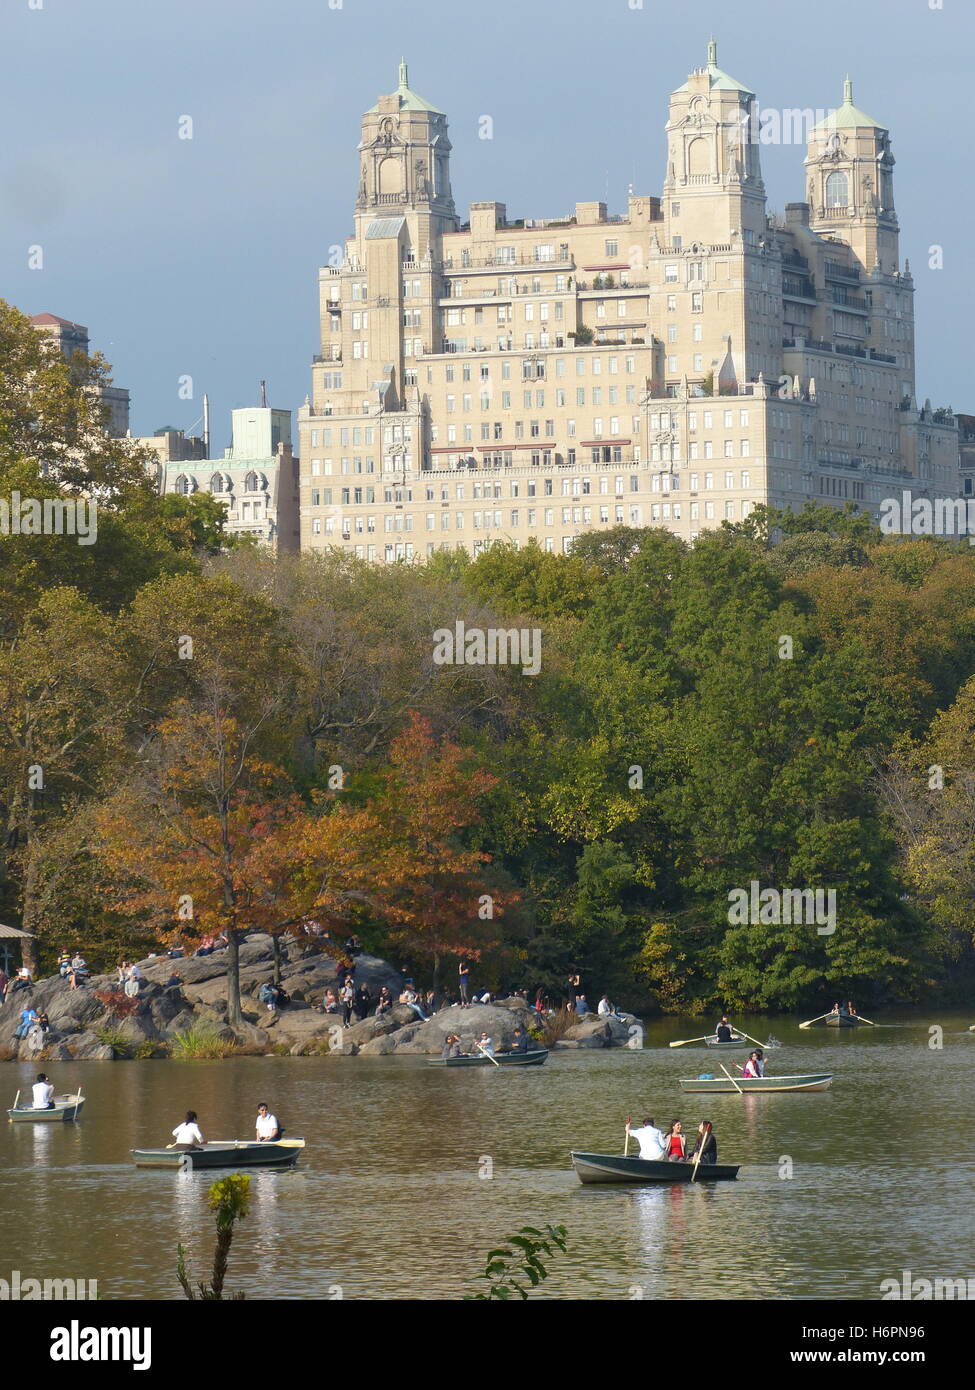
(201, 1043)
(114, 1039)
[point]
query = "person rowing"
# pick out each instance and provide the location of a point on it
(266, 1127)
(649, 1138)
(755, 1066)
(675, 1145)
(723, 1032)
(43, 1093)
(188, 1135)
(706, 1145)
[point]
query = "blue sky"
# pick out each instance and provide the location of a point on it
(200, 256)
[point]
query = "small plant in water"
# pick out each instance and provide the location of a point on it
(200, 1043)
(230, 1199)
(505, 1263)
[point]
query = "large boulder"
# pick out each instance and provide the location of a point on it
(499, 1021)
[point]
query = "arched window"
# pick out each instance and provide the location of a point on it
(218, 483)
(837, 191)
(184, 485)
(251, 483)
(699, 157)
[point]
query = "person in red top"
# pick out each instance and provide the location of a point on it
(675, 1145)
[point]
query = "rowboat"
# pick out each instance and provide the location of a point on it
(223, 1153)
(534, 1058)
(708, 1085)
(737, 1044)
(64, 1108)
(843, 1021)
(593, 1168)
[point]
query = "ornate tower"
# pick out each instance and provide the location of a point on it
(404, 165)
(850, 184)
(713, 190)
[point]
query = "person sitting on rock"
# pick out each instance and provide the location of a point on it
(266, 995)
(133, 981)
(384, 1003)
(64, 964)
(330, 1001)
(28, 1017)
(410, 997)
(22, 980)
(79, 970)
(582, 1007)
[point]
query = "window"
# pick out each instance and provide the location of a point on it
(837, 190)
(670, 274)
(612, 248)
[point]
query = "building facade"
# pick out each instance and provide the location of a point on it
(256, 480)
(508, 380)
(70, 338)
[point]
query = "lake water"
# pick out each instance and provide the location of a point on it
(388, 1201)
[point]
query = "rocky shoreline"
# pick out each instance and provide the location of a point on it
(86, 1027)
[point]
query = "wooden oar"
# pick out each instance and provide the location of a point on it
(731, 1078)
(281, 1143)
(626, 1140)
(697, 1157)
(487, 1054)
(811, 1021)
(682, 1042)
(16, 1099)
(864, 1020)
(754, 1040)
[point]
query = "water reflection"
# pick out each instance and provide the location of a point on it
(387, 1200)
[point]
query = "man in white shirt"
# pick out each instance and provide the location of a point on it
(266, 1125)
(43, 1093)
(187, 1135)
(649, 1138)
(605, 1007)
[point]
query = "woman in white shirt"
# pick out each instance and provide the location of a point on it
(188, 1135)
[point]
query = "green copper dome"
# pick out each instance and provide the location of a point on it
(718, 79)
(408, 99)
(848, 116)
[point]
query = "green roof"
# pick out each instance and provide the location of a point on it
(408, 99)
(848, 116)
(718, 78)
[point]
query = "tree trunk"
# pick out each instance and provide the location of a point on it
(276, 943)
(235, 1017)
(436, 981)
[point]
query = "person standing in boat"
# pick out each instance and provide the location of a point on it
(706, 1145)
(43, 1093)
(675, 1145)
(266, 1127)
(723, 1031)
(649, 1137)
(188, 1135)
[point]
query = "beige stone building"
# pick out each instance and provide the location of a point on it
(497, 379)
(70, 338)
